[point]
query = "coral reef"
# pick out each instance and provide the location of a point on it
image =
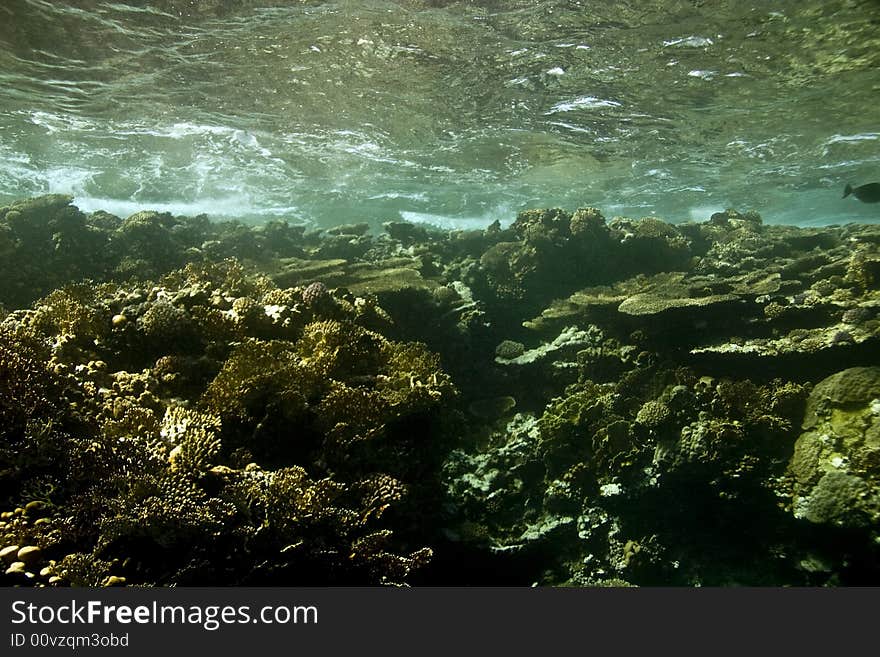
(608, 467)
(835, 467)
(211, 428)
(567, 401)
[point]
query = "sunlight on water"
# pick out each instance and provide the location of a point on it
(338, 111)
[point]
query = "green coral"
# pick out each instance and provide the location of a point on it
(339, 350)
(835, 468)
(411, 379)
(653, 414)
(509, 349)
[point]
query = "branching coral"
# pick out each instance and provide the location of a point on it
(340, 350)
(194, 440)
(260, 376)
(412, 379)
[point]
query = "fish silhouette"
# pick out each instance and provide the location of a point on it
(869, 193)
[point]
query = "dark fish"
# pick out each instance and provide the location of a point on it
(869, 193)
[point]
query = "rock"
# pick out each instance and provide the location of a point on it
(17, 568)
(30, 554)
(9, 554)
(406, 232)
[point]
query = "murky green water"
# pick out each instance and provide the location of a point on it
(453, 112)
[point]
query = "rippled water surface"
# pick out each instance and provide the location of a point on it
(452, 112)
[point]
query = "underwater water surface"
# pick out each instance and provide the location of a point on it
(452, 113)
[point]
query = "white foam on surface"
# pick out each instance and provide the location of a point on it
(220, 208)
(584, 102)
(504, 215)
